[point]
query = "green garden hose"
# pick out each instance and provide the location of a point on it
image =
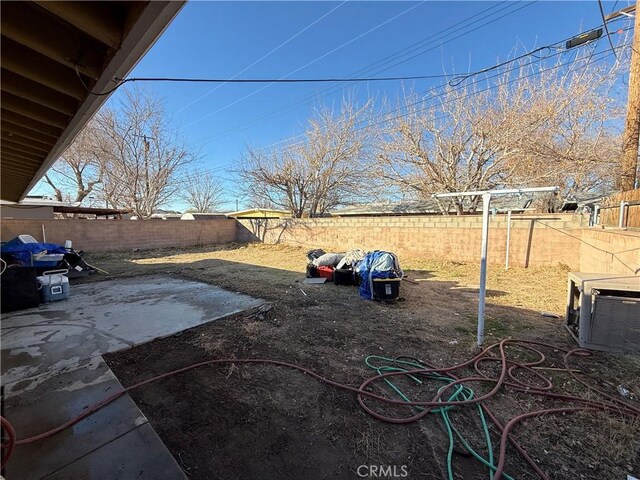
(384, 364)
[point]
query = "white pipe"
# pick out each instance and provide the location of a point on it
(486, 200)
(509, 191)
(506, 260)
(621, 217)
(44, 235)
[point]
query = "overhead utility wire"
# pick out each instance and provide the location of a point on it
(261, 118)
(123, 81)
(604, 22)
(504, 63)
(279, 80)
(464, 77)
(590, 57)
(269, 53)
(430, 107)
(489, 69)
(422, 100)
(533, 74)
(375, 67)
(464, 33)
(366, 69)
(339, 47)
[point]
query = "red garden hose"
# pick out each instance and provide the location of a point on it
(506, 378)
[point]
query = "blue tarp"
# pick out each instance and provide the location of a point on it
(377, 264)
(23, 251)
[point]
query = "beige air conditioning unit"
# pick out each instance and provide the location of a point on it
(603, 311)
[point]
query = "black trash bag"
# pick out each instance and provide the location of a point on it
(315, 253)
(76, 265)
(312, 271)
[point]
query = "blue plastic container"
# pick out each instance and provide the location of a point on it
(53, 287)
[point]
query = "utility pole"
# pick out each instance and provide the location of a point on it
(631, 139)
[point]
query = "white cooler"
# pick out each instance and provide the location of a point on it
(53, 286)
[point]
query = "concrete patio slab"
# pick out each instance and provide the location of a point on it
(44, 402)
(121, 459)
(108, 316)
(52, 370)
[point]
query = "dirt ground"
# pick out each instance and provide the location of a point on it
(244, 422)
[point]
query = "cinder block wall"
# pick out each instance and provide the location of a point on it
(102, 235)
(610, 251)
(535, 239)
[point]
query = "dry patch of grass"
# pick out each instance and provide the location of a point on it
(536, 288)
(282, 257)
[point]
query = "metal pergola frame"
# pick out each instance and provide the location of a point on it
(486, 201)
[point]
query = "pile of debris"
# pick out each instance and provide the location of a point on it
(377, 274)
(34, 272)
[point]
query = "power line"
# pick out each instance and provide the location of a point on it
(309, 63)
(280, 80)
(294, 104)
(473, 74)
(466, 76)
(372, 67)
(435, 97)
(270, 52)
(122, 81)
(429, 107)
(590, 59)
(606, 27)
(433, 89)
(533, 74)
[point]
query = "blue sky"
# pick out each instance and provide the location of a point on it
(220, 39)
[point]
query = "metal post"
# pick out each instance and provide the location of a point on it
(621, 217)
(596, 212)
(506, 261)
(486, 200)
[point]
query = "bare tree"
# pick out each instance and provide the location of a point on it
(202, 192)
(529, 126)
(322, 171)
(572, 140)
(443, 149)
(275, 178)
(81, 168)
(145, 157)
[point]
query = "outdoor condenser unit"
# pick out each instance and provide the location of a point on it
(603, 311)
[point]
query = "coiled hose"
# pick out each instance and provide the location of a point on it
(458, 391)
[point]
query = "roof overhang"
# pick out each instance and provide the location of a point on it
(53, 55)
(90, 210)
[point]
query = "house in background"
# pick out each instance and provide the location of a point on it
(31, 207)
(41, 207)
(202, 216)
(259, 213)
(515, 204)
